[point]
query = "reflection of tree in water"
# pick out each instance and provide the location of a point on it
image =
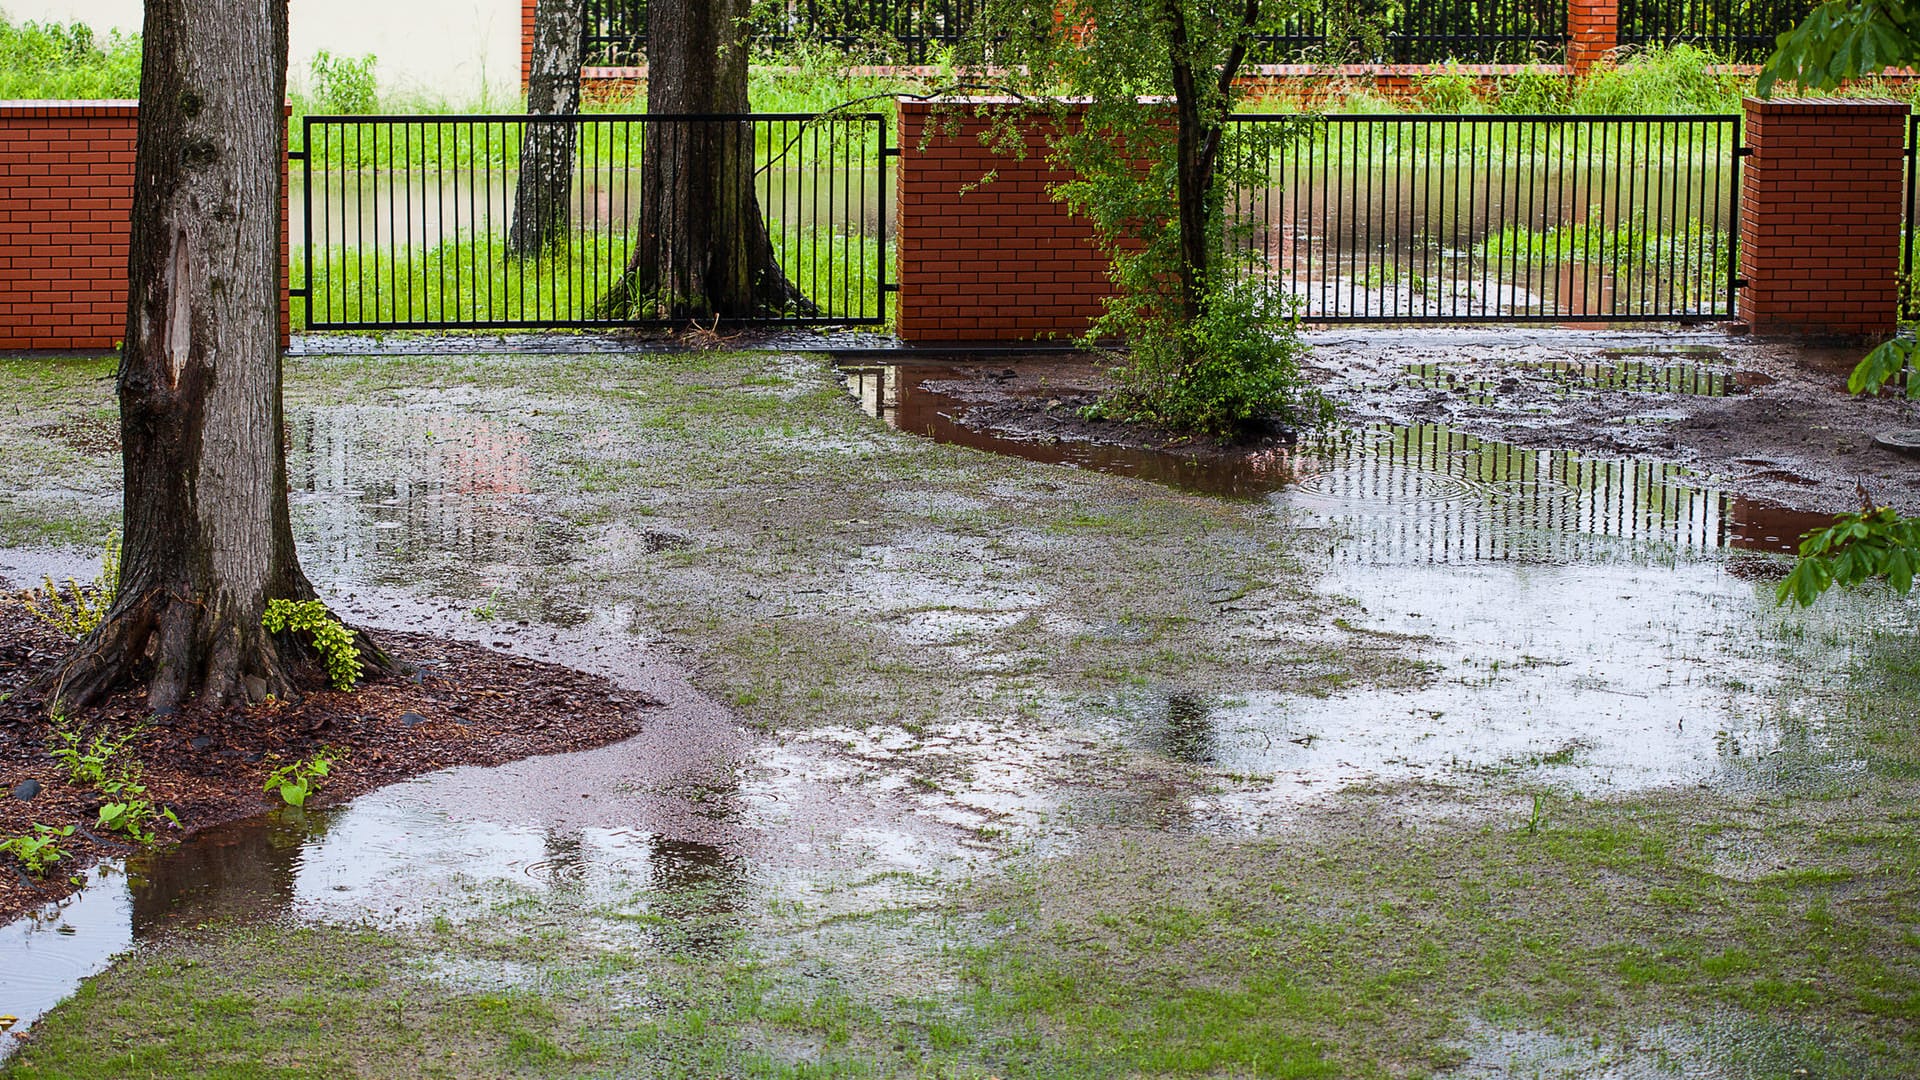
(565, 867)
(700, 887)
(245, 869)
(1187, 734)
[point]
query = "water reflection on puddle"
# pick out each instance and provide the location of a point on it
(383, 859)
(1436, 494)
(1580, 613)
(392, 495)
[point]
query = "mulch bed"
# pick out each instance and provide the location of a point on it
(463, 705)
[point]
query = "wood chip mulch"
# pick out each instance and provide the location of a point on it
(463, 705)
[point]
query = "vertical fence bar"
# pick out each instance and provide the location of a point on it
(1907, 225)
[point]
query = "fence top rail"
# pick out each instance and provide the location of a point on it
(1704, 119)
(578, 118)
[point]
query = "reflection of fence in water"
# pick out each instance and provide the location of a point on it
(405, 488)
(1463, 218)
(1418, 493)
(1432, 494)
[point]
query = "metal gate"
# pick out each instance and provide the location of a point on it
(1464, 219)
(409, 222)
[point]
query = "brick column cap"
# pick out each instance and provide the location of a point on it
(103, 107)
(1827, 106)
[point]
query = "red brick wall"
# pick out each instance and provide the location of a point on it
(999, 262)
(66, 195)
(66, 189)
(1820, 201)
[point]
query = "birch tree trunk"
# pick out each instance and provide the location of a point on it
(700, 245)
(207, 536)
(542, 194)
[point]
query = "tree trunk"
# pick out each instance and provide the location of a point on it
(700, 246)
(542, 195)
(207, 536)
(1201, 109)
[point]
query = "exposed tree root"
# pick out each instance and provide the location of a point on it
(184, 652)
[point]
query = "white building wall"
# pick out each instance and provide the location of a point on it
(453, 50)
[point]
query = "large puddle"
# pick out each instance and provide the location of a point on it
(1593, 622)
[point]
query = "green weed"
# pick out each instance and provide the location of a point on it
(39, 852)
(297, 782)
(75, 609)
(332, 640)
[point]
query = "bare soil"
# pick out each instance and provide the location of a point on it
(1783, 427)
(462, 705)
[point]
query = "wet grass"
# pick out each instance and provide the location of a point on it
(475, 279)
(59, 466)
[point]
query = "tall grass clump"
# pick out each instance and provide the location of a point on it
(66, 62)
(813, 77)
(1662, 79)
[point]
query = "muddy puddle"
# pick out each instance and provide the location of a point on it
(1593, 624)
(385, 859)
(1453, 497)
(690, 814)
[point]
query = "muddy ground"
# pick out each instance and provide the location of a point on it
(457, 704)
(1769, 419)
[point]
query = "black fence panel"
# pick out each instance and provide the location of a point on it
(903, 31)
(408, 222)
(1490, 218)
(616, 33)
(1426, 32)
(1741, 31)
(1909, 303)
(911, 31)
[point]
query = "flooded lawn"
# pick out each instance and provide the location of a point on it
(1406, 750)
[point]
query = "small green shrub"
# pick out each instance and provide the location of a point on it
(38, 853)
(344, 84)
(134, 814)
(75, 609)
(1234, 366)
(298, 781)
(332, 640)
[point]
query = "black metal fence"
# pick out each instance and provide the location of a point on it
(1417, 31)
(902, 31)
(1490, 218)
(1741, 31)
(1909, 238)
(1423, 32)
(409, 222)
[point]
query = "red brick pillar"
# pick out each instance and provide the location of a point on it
(1820, 196)
(993, 261)
(1593, 31)
(526, 44)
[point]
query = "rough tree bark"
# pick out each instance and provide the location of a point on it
(207, 536)
(1202, 123)
(700, 246)
(542, 195)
